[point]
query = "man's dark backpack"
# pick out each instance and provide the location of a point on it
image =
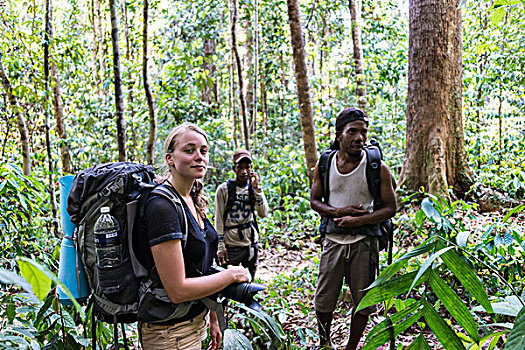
(373, 179)
(124, 188)
(232, 198)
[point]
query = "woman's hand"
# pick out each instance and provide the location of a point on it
(239, 274)
(215, 332)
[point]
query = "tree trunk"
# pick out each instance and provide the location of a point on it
(248, 65)
(119, 103)
(131, 105)
(355, 13)
(100, 47)
(92, 19)
(22, 127)
(434, 155)
(209, 92)
(303, 92)
(255, 69)
(47, 38)
(149, 96)
(242, 100)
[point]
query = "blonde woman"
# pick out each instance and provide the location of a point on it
(183, 272)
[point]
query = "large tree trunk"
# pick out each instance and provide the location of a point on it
(119, 103)
(22, 126)
(235, 11)
(303, 92)
(151, 107)
(355, 13)
(434, 155)
(47, 39)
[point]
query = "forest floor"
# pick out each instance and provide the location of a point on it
(278, 262)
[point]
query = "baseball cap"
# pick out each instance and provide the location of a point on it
(349, 115)
(240, 155)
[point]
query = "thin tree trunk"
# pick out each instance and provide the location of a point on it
(255, 69)
(303, 91)
(281, 99)
(92, 19)
(355, 13)
(119, 103)
(248, 65)
(434, 155)
(47, 38)
(239, 74)
(58, 106)
(151, 107)
(209, 92)
(100, 48)
(22, 126)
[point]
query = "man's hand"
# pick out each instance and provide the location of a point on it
(215, 332)
(348, 221)
(254, 180)
(223, 257)
(352, 210)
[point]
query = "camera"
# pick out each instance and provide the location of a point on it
(241, 292)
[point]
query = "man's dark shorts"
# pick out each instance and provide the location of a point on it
(241, 256)
(356, 263)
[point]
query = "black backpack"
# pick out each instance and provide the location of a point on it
(122, 291)
(374, 156)
(232, 194)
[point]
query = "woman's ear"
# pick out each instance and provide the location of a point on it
(169, 159)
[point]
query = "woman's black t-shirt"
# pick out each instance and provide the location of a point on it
(160, 224)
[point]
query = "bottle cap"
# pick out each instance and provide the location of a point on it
(104, 210)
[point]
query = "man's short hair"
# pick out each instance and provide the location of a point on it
(349, 115)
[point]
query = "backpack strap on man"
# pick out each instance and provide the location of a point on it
(325, 162)
(373, 174)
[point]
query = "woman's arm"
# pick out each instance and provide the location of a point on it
(170, 266)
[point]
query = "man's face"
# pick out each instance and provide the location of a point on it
(243, 170)
(353, 137)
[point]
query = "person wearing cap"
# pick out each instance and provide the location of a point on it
(236, 202)
(350, 246)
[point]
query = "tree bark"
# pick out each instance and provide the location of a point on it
(209, 92)
(248, 65)
(119, 103)
(149, 97)
(92, 19)
(130, 80)
(242, 100)
(303, 91)
(434, 155)
(47, 38)
(21, 122)
(100, 47)
(355, 13)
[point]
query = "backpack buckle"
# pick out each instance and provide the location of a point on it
(374, 165)
(106, 191)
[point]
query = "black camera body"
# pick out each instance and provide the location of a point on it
(241, 292)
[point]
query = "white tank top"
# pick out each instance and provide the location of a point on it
(349, 189)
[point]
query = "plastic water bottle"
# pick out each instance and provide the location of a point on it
(107, 239)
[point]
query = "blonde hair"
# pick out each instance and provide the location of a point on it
(196, 193)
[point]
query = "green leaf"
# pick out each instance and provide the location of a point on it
(467, 277)
(392, 269)
(497, 15)
(389, 289)
(51, 277)
(428, 263)
(430, 211)
(454, 305)
(515, 210)
(419, 344)
(39, 281)
(462, 238)
(11, 312)
(235, 340)
(447, 337)
(9, 277)
(516, 339)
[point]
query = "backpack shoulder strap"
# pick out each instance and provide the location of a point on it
(373, 173)
(325, 161)
(230, 199)
(168, 193)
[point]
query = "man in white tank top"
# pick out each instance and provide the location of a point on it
(349, 248)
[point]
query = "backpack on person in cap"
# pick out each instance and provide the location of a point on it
(231, 187)
(123, 292)
(374, 156)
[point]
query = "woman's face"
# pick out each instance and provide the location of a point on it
(190, 156)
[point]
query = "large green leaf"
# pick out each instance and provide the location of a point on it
(467, 277)
(430, 211)
(428, 263)
(454, 305)
(389, 289)
(419, 344)
(392, 269)
(447, 337)
(516, 339)
(42, 277)
(9, 277)
(235, 340)
(393, 326)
